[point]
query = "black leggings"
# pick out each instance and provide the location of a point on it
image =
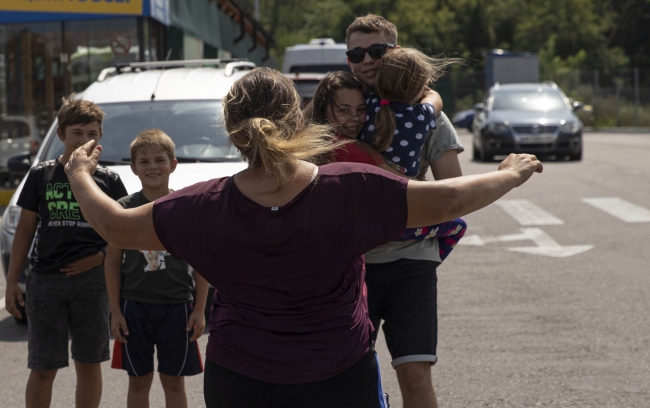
(357, 387)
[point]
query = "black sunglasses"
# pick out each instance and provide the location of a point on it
(375, 51)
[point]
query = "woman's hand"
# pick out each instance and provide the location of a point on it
(523, 165)
(84, 160)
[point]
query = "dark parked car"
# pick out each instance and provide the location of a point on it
(527, 118)
(464, 119)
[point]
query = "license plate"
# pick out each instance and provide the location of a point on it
(535, 139)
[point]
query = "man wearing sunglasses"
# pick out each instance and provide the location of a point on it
(401, 276)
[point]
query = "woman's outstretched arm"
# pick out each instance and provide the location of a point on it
(434, 202)
(127, 229)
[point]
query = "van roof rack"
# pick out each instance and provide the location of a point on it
(231, 65)
(322, 41)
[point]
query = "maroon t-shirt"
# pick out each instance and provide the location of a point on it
(290, 306)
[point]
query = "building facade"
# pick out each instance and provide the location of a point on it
(51, 48)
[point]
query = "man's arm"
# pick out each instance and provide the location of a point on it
(447, 166)
(25, 231)
(113, 275)
(432, 97)
(441, 150)
(197, 318)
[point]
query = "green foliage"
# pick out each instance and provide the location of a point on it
(567, 34)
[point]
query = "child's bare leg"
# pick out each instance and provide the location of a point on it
(139, 388)
(38, 393)
(89, 384)
(174, 388)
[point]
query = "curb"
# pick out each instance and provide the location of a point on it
(5, 196)
(617, 130)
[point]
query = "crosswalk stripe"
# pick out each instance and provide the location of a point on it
(527, 213)
(619, 208)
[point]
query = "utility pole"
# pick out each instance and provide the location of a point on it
(257, 10)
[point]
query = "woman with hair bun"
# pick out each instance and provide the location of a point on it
(282, 242)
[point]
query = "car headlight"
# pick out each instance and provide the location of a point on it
(498, 128)
(11, 219)
(570, 127)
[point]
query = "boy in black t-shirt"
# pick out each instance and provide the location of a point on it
(150, 293)
(66, 287)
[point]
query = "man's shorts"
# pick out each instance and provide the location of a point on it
(403, 294)
(61, 307)
(162, 326)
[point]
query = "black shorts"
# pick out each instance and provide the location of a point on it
(61, 307)
(357, 387)
(162, 326)
(403, 294)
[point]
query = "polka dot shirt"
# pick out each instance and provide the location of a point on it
(413, 124)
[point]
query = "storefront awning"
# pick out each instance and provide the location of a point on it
(26, 11)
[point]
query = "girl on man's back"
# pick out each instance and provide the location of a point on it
(393, 123)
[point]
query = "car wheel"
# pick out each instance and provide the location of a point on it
(23, 313)
(575, 157)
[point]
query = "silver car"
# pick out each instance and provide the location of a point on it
(527, 118)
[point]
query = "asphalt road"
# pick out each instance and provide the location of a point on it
(560, 321)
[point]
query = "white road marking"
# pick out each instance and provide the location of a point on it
(475, 240)
(619, 208)
(527, 213)
(548, 246)
(2, 304)
(545, 245)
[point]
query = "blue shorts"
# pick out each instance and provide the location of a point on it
(162, 326)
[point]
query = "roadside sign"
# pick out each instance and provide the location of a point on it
(120, 44)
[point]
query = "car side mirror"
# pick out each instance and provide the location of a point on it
(479, 107)
(577, 105)
(19, 163)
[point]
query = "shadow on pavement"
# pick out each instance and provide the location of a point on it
(12, 331)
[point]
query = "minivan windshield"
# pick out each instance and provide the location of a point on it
(196, 127)
(528, 100)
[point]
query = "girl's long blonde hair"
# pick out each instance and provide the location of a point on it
(402, 76)
(264, 121)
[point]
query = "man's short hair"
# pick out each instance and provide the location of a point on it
(372, 23)
(153, 138)
(78, 112)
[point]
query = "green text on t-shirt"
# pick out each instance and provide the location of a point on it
(60, 202)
